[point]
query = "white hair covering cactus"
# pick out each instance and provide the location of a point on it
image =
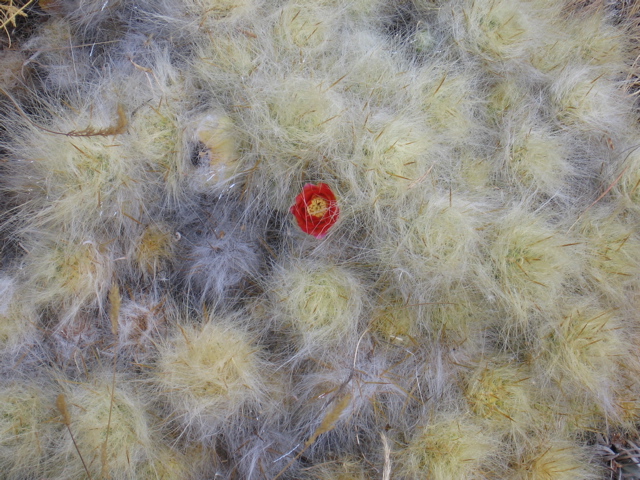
(472, 313)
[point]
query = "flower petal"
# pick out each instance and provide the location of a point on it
(312, 224)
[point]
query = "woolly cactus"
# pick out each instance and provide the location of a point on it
(319, 239)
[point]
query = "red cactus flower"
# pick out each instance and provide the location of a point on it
(316, 209)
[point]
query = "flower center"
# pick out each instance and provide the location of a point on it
(317, 207)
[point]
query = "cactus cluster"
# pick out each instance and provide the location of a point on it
(473, 313)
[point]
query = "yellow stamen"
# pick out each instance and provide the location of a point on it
(317, 207)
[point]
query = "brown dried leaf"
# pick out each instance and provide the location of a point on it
(118, 128)
(61, 403)
(114, 313)
(329, 421)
